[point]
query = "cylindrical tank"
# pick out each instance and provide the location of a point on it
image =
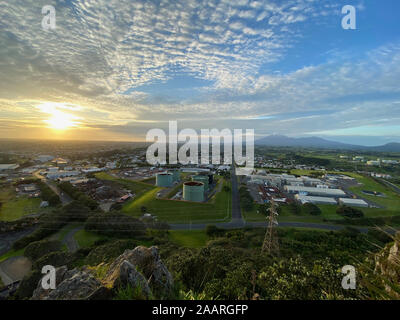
(164, 180)
(193, 191)
(176, 174)
(203, 179)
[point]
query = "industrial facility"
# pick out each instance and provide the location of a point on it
(315, 191)
(164, 179)
(193, 191)
(353, 202)
(316, 200)
(176, 174)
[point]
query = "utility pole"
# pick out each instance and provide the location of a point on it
(271, 244)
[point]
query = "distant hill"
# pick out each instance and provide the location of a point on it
(316, 142)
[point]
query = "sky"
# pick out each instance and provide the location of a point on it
(114, 69)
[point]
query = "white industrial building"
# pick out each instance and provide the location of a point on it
(315, 191)
(353, 202)
(8, 167)
(314, 199)
(44, 158)
(62, 174)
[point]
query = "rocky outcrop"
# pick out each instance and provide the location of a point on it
(148, 262)
(70, 285)
(387, 265)
(141, 269)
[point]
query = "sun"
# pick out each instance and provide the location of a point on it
(61, 121)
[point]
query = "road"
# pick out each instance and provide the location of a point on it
(65, 199)
(241, 224)
(70, 241)
(237, 218)
(391, 185)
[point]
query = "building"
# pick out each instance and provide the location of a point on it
(9, 166)
(193, 191)
(324, 192)
(202, 178)
(44, 158)
(373, 163)
(353, 202)
(164, 180)
(176, 174)
(62, 174)
(314, 199)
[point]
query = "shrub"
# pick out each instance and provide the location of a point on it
(312, 209)
(213, 231)
(349, 212)
(114, 224)
(37, 249)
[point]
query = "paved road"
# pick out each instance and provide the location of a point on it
(65, 199)
(239, 224)
(391, 185)
(70, 241)
(7, 239)
(237, 218)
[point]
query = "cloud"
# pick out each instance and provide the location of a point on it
(105, 53)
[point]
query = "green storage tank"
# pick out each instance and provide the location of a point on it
(203, 179)
(164, 180)
(193, 191)
(176, 174)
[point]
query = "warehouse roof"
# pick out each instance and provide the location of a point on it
(336, 192)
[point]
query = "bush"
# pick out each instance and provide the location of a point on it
(349, 212)
(312, 209)
(380, 235)
(214, 231)
(109, 251)
(75, 194)
(55, 259)
(114, 224)
(28, 284)
(37, 249)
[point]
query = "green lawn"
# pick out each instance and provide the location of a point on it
(137, 187)
(86, 239)
(151, 180)
(14, 208)
(12, 253)
(190, 238)
(218, 209)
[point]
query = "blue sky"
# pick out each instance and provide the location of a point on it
(117, 68)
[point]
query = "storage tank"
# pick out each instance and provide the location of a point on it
(193, 191)
(164, 180)
(203, 179)
(176, 174)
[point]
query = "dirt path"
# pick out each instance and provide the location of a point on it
(14, 269)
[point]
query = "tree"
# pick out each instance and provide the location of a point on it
(312, 209)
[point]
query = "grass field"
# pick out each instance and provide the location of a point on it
(217, 209)
(12, 253)
(189, 239)
(13, 208)
(137, 187)
(86, 239)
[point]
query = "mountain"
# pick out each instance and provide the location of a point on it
(316, 142)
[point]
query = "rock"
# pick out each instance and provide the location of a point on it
(388, 267)
(130, 276)
(148, 262)
(140, 268)
(71, 285)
